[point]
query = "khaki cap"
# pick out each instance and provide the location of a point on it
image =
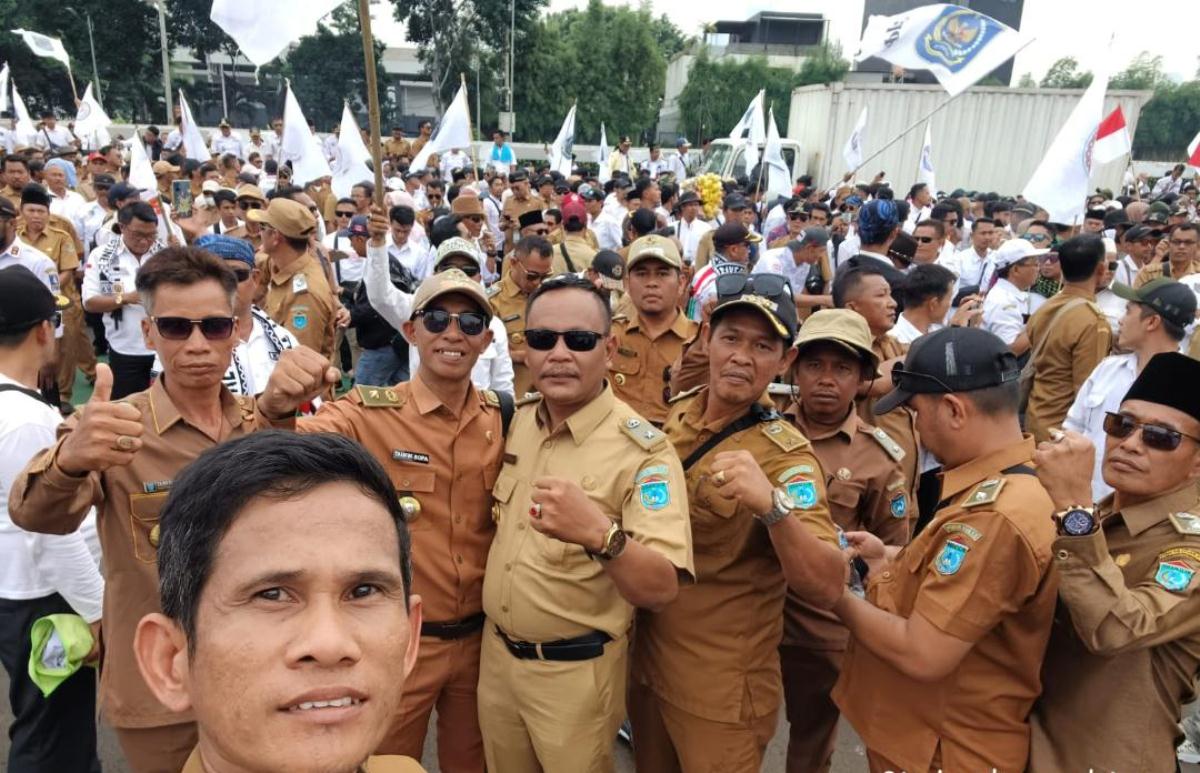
(466, 203)
(653, 246)
(446, 283)
(290, 218)
(840, 326)
(162, 167)
(248, 191)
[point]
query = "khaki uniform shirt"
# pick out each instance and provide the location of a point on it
(1078, 339)
(540, 589)
(1125, 646)
(56, 243)
(128, 500)
(415, 146)
(866, 491)
(508, 304)
(514, 208)
(580, 252)
(395, 147)
(704, 250)
(298, 297)
(714, 651)
(980, 572)
(381, 764)
(448, 464)
(641, 368)
(1157, 269)
(900, 424)
(241, 233)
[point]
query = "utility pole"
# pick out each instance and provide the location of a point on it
(95, 72)
(161, 7)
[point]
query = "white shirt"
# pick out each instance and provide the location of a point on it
(1102, 392)
(231, 144)
(413, 255)
(91, 218)
(1127, 269)
(351, 267)
(270, 145)
(493, 369)
(1112, 306)
(970, 268)
(780, 261)
(1167, 184)
(491, 209)
(124, 337)
(656, 167)
(1006, 310)
(689, 236)
(849, 247)
(33, 566)
(174, 140)
(607, 228)
(43, 267)
(69, 205)
(677, 165)
(390, 302)
(775, 217)
(906, 332)
(915, 216)
(57, 137)
(452, 161)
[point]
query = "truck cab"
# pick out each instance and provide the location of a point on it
(726, 158)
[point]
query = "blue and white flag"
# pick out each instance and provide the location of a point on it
(561, 152)
(925, 167)
(958, 45)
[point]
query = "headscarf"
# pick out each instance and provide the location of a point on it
(68, 169)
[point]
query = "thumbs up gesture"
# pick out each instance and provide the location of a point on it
(108, 434)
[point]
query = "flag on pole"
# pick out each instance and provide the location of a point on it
(779, 177)
(1112, 138)
(564, 145)
(350, 166)
(958, 45)
(4, 88)
(453, 131)
(264, 28)
(300, 145)
(603, 156)
(1193, 151)
(853, 152)
(925, 167)
(1060, 183)
(90, 117)
(24, 128)
(194, 145)
(751, 130)
(141, 172)
(44, 45)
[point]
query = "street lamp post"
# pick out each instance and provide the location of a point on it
(161, 7)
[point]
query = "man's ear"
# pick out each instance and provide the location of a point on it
(161, 649)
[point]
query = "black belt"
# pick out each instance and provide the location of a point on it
(456, 629)
(586, 647)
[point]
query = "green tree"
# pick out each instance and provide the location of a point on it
(1027, 81)
(1168, 122)
(328, 65)
(1145, 72)
(1065, 74)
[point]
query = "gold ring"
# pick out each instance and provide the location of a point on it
(1057, 436)
(719, 478)
(124, 443)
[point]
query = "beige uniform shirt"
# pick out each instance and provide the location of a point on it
(56, 243)
(540, 589)
(508, 304)
(577, 248)
(641, 368)
(298, 297)
(1157, 269)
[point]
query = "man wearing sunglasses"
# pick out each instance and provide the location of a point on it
(591, 513)
(1138, 244)
(760, 524)
(249, 197)
(731, 255)
(531, 263)
(1183, 256)
(953, 625)
(468, 209)
(121, 457)
(1127, 570)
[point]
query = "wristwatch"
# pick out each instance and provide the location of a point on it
(614, 544)
(782, 507)
(1076, 521)
(120, 299)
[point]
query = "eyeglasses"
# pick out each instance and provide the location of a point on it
(434, 196)
(544, 340)
(242, 274)
(345, 214)
(536, 276)
(923, 239)
(1049, 257)
(471, 323)
(250, 204)
(180, 328)
(1036, 238)
(470, 269)
(801, 216)
(767, 285)
(1155, 436)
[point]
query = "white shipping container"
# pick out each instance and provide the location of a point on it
(988, 139)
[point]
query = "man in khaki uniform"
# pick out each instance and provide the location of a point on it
(121, 457)
(652, 337)
(954, 624)
(867, 491)
(1125, 647)
(1069, 336)
(249, 197)
(706, 668)
(592, 522)
(574, 253)
(1183, 256)
(520, 202)
(529, 265)
(298, 294)
(396, 146)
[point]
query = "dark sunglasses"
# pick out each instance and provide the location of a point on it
(901, 377)
(474, 218)
(540, 232)
(801, 216)
(471, 323)
(242, 274)
(434, 196)
(767, 285)
(1155, 436)
(536, 276)
(250, 204)
(180, 328)
(469, 269)
(544, 340)
(1036, 238)
(345, 214)
(923, 239)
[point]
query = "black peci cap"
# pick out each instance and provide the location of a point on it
(1161, 379)
(24, 300)
(951, 360)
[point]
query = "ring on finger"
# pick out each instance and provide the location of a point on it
(1057, 435)
(535, 511)
(719, 478)
(123, 443)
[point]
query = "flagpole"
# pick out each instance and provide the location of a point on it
(462, 83)
(74, 91)
(364, 20)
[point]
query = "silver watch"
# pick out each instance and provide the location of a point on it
(782, 507)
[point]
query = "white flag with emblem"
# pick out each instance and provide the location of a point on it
(779, 177)
(853, 152)
(453, 131)
(24, 128)
(751, 130)
(300, 145)
(350, 165)
(603, 155)
(141, 172)
(44, 45)
(925, 168)
(4, 88)
(264, 28)
(194, 145)
(564, 144)
(90, 118)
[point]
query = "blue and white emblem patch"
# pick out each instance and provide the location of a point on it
(899, 505)
(299, 319)
(655, 494)
(1175, 576)
(950, 560)
(802, 492)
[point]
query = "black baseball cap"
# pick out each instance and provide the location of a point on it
(1140, 232)
(734, 202)
(1173, 301)
(951, 360)
(7, 208)
(734, 233)
(25, 301)
(121, 190)
(768, 294)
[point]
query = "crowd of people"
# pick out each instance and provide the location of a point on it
(564, 460)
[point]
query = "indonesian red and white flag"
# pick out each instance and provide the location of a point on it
(1194, 151)
(1112, 138)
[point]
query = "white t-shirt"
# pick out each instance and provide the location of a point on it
(124, 336)
(780, 261)
(21, 254)
(58, 137)
(1006, 310)
(1100, 393)
(689, 236)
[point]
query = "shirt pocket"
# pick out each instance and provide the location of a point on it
(625, 362)
(502, 493)
(712, 520)
(144, 510)
(419, 485)
(844, 497)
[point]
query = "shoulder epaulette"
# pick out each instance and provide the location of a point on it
(620, 318)
(784, 435)
(493, 290)
(985, 493)
(529, 399)
(686, 394)
(1186, 523)
(379, 397)
(643, 433)
(784, 390)
(892, 448)
(490, 397)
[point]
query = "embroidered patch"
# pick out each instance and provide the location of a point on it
(791, 472)
(299, 284)
(410, 456)
(156, 486)
(1175, 576)
(950, 560)
(802, 492)
(299, 319)
(653, 472)
(1190, 553)
(899, 505)
(964, 529)
(655, 494)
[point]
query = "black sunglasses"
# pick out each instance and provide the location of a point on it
(536, 276)
(544, 340)
(242, 274)
(345, 214)
(249, 204)
(767, 285)
(923, 239)
(802, 216)
(471, 323)
(469, 269)
(903, 379)
(180, 328)
(1155, 436)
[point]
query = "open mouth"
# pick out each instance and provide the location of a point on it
(337, 703)
(450, 354)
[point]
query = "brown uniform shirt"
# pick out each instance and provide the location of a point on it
(447, 463)
(1078, 339)
(386, 763)
(298, 297)
(866, 491)
(508, 304)
(714, 651)
(241, 233)
(540, 589)
(641, 368)
(980, 572)
(900, 424)
(1125, 646)
(578, 250)
(1157, 269)
(415, 146)
(396, 147)
(128, 500)
(704, 249)
(56, 243)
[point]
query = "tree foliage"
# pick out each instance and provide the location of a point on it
(1144, 73)
(1065, 74)
(1168, 122)
(327, 67)
(1027, 81)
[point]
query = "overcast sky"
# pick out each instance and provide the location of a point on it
(1079, 28)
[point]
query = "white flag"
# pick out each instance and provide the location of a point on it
(564, 145)
(453, 131)
(350, 166)
(141, 172)
(264, 28)
(750, 130)
(24, 128)
(779, 177)
(90, 117)
(1060, 183)
(853, 152)
(4, 88)
(958, 45)
(194, 145)
(300, 145)
(603, 155)
(44, 45)
(925, 168)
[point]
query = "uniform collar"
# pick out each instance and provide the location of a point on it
(1140, 517)
(165, 415)
(508, 288)
(1078, 292)
(964, 476)
(694, 415)
(427, 402)
(847, 429)
(281, 275)
(584, 421)
(681, 326)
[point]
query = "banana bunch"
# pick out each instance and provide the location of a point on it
(711, 192)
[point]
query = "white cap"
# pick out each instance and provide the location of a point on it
(456, 245)
(1014, 251)
(394, 184)
(210, 186)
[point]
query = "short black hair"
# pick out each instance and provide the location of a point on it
(209, 494)
(1079, 256)
(846, 284)
(944, 208)
(996, 401)
(571, 282)
(981, 221)
(224, 194)
(938, 227)
(402, 215)
(367, 186)
(1188, 226)
(16, 158)
(643, 221)
(182, 266)
(917, 188)
(925, 281)
(538, 244)
(139, 210)
(436, 183)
